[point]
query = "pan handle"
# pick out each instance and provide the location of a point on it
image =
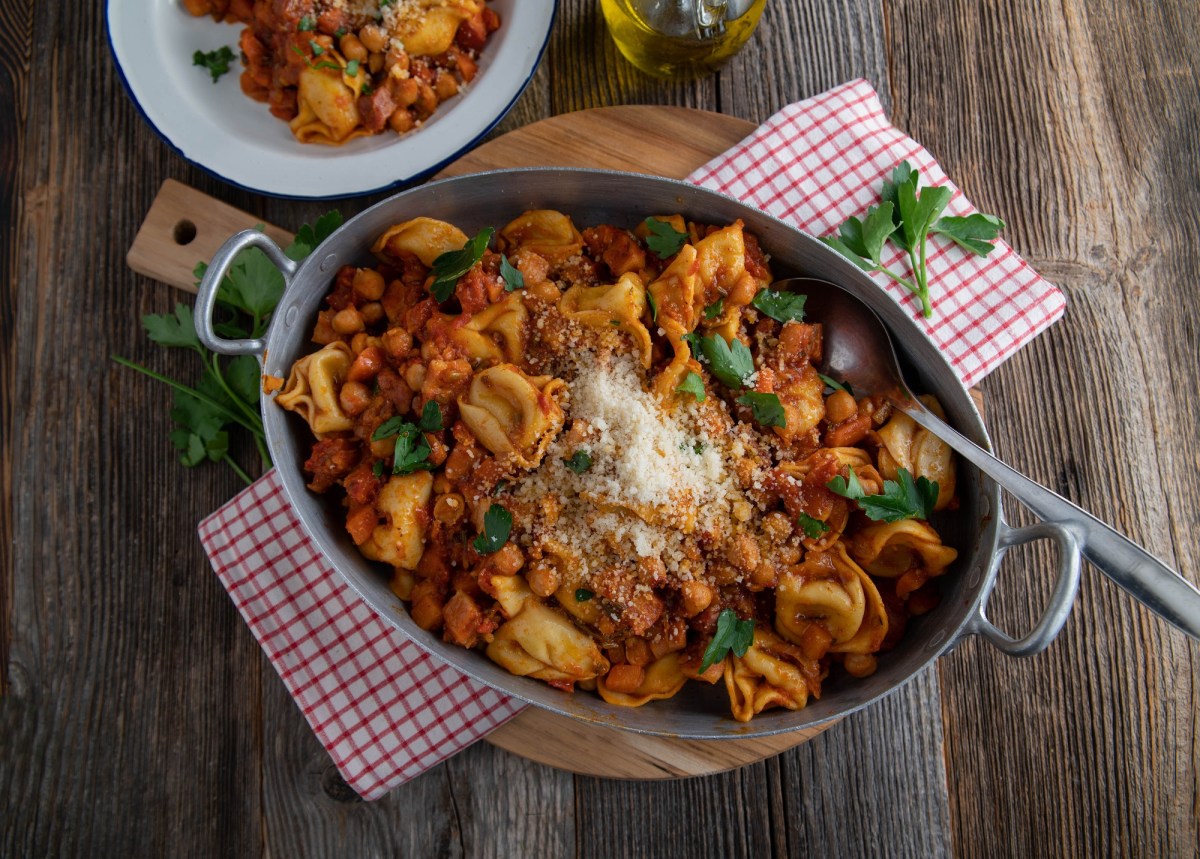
(1061, 600)
(206, 296)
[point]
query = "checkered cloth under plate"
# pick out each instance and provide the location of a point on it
(384, 708)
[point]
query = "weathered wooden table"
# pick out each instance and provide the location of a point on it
(138, 716)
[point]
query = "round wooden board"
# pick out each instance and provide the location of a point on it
(663, 141)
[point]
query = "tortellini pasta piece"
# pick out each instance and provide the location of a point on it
(326, 105)
(513, 414)
(801, 393)
(890, 549)
(537, 641)
(772, 673)
(618, 305)
(312, 389)
(720, 263)
(547, 233)
(664, 678)
(400, 539)
(504, 321)
(424, 238)
(674, 293)
(831, 590)
(430, 30)
(909, 446)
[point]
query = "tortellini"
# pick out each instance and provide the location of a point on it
(772, 673)
(327, 111)
(513, 414)
(537, 641)
(312, 389)
(547, 233)
(604, 308)
(890, 549)
(832, 591)
(432, 32)
(425, 238)
(504, 322)
(400, 539)
(909, 446)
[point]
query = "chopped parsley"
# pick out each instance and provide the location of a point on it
(412, 450)
(715, 309)
(497, 525)
(511, 275)
(307, 24)
(579, 462)
(730, 362)
(583, 595)
(452, 265)
(217, 62)
(431, 417)
(692, 384)
(732, 633)
(812, 527)
(653, 306)
(902, 499)
(766, 408)
(780, 306)
(664, 240)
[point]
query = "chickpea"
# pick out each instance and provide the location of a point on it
(368, 284)
(840, 407)
(375, 63)
(414, 375)
(359, 341)
(354, 397)
(449, 508)
(459, 463)
(446, 86)
(860, 664)
(397, 342)
(637, 651)
(396, 62)
(373, 38)
(352, 48)
(401, 121)
(508, 560)
(543, 578)
(697, 596)
(348, 320)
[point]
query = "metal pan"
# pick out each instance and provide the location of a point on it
(977, 529)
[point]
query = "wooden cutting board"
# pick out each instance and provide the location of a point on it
(184, 226)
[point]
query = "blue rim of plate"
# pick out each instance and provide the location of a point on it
(398, 184)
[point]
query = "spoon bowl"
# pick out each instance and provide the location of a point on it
(858, 350)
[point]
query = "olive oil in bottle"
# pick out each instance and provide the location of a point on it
(680, 38)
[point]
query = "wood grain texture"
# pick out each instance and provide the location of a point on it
(139, 717)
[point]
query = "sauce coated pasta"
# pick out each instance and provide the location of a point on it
(605, 459)
(335, 70)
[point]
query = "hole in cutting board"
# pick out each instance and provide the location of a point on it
(184, 232)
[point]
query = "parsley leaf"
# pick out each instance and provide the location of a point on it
(903, 499)
(693, 341)
(583, 595)
(497, 525)
(316, 48)
(766, 408)
(511, 275)
(452, 265)
(733, 634)
(307, 24)
(731, 362)
(664, 240)
(378, 468)
(779, 305)
(217, 62)
(813, 528)
(352, 68)
(974, 233)
(308, 237)
(836, 385)
(431, 417)
(412, 450)
(692, 384)
(715, 309)
(579, 462)
(177, 330)
(653, 306)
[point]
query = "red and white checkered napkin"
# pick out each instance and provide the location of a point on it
(385, 709)
(821, 160)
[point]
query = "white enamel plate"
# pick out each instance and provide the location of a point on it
(216, 127)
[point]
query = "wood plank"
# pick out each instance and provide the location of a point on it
(1084, 133)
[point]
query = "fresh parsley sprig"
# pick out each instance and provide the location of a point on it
(779, 305)
(412, 449)
(452, 265)
(906, 216)
(902, 499)
(226, 395)
(732, 633)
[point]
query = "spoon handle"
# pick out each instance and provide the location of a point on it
(1147, 579)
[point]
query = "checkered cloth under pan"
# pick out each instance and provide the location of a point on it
(384, 708)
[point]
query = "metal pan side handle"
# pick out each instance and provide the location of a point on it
(1061, 600)
(1145, 577)
(206, 297)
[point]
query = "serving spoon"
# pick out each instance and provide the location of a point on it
(858, 349)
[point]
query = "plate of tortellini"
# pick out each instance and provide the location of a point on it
(557, 427)
(325, 98)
